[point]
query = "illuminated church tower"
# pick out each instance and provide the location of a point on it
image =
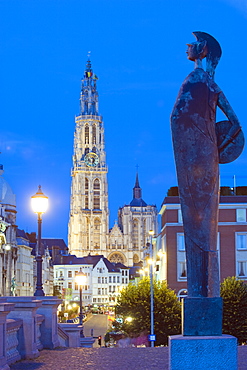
(89, 214)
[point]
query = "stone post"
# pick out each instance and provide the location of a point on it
(49, 331)
(25, 309)
(5, 308)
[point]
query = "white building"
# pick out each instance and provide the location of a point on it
(8, 248)
(24, 266)
(104, 280)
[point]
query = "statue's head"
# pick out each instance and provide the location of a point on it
(210, 48)
(197, 50)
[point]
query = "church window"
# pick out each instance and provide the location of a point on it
(86, 134)
(88, 226)
(96, 194)
(86, 193)
(94, 134)
(96, 233)
(135, 234)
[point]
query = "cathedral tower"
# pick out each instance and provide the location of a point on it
(89, 214)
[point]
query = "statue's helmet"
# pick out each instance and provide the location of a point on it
(213, 51)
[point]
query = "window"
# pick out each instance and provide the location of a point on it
(96, 194)
(118, 281)
(99, 291)
(105, 291)
(86, 194)
(126, 281)
(182, 274)
(113, 289)
(114, 279)
(94, 299)
(98, 280)
(109, 279)
(241, 265)
(96, 234)
(70, 285)
(86, 134)
(76, 286)
(122, 280)
(105, 280)
(69, 274)
(180, 242)
(76, 272)
(135, 236)
(61, 273)
(126, 272)
(122, 272)
(109, 288)
(180, 219)
(94, 134)
(241, 215)
(241, 240)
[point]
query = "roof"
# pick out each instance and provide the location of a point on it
(54, 242)
(21, 234)
(89, 260)
(138, 202)
(6, 194)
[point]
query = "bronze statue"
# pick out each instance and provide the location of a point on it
(200, 144)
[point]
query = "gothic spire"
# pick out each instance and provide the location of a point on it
(89, 94)
(137, 191)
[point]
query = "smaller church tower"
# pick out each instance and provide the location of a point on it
(135, 221)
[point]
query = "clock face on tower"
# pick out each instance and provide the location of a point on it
(91, 159)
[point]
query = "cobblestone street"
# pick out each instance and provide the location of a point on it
(107, 359)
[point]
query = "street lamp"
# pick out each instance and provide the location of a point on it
(39, 203)
(80, 279)
(152, 336)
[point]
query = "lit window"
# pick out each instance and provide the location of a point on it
(70, 285)
(241, 240)
(182, 274)
(69, 274)
(180, 242)
(241, 269)
(241, 215)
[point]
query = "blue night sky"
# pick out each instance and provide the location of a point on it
(138, 52)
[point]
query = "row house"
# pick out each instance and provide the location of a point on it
(104, 280)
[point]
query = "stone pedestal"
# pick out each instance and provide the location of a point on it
(25, 309)
(49, 331)
(202, 352)
(73, 331)
(5, 308)
(202, 316)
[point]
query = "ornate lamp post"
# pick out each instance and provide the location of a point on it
(80, 279)
(39, 203)
(152, 336)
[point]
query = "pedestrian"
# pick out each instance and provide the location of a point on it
(99, 340)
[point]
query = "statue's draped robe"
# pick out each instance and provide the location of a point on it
(197, 164)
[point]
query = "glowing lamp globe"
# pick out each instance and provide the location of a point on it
(80, 278)
(39, 202)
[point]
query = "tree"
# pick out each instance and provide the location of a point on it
(234, 294)
(134, 302)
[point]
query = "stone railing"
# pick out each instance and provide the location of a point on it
(29, 324)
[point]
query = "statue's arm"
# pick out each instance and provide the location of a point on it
(226, 108)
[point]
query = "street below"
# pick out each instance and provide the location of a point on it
(99, 325)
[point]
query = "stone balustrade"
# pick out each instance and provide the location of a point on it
(29, 324)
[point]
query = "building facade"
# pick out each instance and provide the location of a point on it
(8, 247)
(88, 230)
(232, 241)
(104, 280)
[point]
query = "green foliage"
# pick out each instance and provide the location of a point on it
(234, 294)
(134, 302)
